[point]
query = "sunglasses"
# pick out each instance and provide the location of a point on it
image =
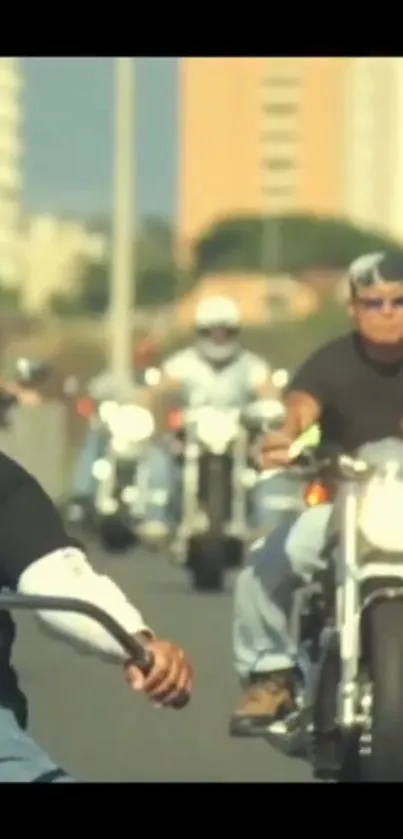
(221, 330)
(376, 304)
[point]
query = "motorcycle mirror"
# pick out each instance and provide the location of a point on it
(280, 378)
(266, 411)
(29, 372)
(152, 376)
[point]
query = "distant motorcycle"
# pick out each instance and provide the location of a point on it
(121, 475)
(217, 476)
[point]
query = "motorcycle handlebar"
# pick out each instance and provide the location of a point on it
(307, 464)
(139, 655)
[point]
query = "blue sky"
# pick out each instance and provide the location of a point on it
(68, 134)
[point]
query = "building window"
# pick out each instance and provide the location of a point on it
(281, 81)
(278, 192)
(280, 109)
(278, 137)
(279, 163)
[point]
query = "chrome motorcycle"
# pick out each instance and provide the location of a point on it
(218, 477)
(121, 474)
(347, 719)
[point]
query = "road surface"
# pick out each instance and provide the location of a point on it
(82, 711)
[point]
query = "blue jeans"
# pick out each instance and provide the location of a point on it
(21, 760)
(270, 500)
(264, 590)
(92, 449)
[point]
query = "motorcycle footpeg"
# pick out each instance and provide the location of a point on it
(290, 734)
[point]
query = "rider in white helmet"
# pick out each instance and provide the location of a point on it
(215, 370)
(217, 323)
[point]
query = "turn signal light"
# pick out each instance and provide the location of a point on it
(85, 407)
(175, 420)
(315, 494)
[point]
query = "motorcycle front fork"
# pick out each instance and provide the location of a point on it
(190, 510)
(105, 500)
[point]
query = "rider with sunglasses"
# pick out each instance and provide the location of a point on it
(354, 387)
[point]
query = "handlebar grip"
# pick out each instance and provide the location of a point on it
(138, 653)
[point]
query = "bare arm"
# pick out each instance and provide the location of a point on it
(302, 411)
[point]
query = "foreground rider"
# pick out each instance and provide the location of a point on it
(105, 387)
(354, 387)
(214, 370)
(38, 557)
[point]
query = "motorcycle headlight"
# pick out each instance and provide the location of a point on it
(152, 376)
(107, 411)
(132, 423)
(216, 429)
(101, 470)
(379, 517)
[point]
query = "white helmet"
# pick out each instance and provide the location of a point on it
(219, 314)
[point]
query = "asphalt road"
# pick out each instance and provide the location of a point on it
(82, 711)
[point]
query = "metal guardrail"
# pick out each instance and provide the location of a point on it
(37, 440)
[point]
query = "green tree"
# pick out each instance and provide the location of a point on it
(284, 244)
(157, 276)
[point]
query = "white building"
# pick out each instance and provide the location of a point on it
(10, 168)
(54, 254)
(373, 144)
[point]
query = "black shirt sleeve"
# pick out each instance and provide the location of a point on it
(313, 376)
(30, 525)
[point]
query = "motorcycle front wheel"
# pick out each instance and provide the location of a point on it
(208, 551)
(383, 648)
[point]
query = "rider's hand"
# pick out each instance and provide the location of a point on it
(169, 683)
(274, 450)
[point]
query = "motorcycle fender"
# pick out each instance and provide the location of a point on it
(379, 580)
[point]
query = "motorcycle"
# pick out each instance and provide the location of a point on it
(347, 720)
(217, 476)
(120, 475)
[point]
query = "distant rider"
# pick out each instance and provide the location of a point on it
(102, 388)
(215, 370)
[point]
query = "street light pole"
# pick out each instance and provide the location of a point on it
(122, 280)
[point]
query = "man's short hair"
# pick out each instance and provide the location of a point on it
(373, 269)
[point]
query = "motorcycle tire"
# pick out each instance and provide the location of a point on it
(115, 536)
(208, 551)
(383, 647)
(206, 563)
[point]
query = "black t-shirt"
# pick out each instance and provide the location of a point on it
(30, 527)
(362, 399)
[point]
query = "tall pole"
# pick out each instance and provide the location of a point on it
(122, 281)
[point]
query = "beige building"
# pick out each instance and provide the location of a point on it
(291, 135)
(259, 135)
(10, 168)
(54, 253)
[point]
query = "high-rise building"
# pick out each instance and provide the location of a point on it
(289, 135)
(10, 169)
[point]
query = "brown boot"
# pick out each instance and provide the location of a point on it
(267, 698)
